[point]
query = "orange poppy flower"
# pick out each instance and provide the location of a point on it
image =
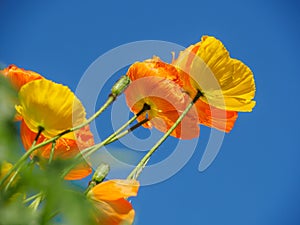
(167, 81)
(154, 83)
(225, 82)
(109, 198)
(64, 149)
(18, 77)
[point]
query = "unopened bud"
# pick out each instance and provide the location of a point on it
(101, 173)
(120, 86)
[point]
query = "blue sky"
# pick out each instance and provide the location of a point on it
(255, 179)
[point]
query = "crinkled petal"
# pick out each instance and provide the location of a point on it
(153, 68)
(167, 101)
(51, 106)
(226, 83)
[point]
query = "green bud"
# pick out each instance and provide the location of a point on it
(101, 173)
(120, 86)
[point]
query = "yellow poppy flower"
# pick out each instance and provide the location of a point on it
(50, 106)
(226, 83)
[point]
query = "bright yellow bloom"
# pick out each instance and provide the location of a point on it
(110, 199)
(226, 83)
(50, 106)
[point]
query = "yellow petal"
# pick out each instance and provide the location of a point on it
(52, 106)
(225, 82)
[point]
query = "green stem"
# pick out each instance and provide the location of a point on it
(137, 170)
(35, 204)
(32, 197)
(52, 152)
(110, 100)
(89, 151)
(128, 131)
(12, 179)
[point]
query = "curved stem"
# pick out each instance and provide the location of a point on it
(137, 170)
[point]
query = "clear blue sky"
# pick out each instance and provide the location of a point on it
(255, 179)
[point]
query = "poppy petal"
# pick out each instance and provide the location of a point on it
(52, 106)
(118, 212)
(114, 189)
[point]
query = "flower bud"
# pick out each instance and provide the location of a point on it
(120, 86)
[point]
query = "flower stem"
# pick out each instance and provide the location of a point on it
(137, 170)
(32, 197)
(35, 204)
(128, 131)
(90, 150)
(52, 152)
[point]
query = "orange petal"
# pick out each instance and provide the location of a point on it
(116, 212)
(217, 118)
(167, 102)
(187, 129)
(153, 68)
(114, 189)
(79, 172)
(64, 149)
(19, 77)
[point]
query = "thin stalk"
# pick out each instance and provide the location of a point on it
(12, 179)
(137, 170)
(35, 204)
(110, 100)
(52, 152)
(32, 198)
(128, 130)
(90, 150)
